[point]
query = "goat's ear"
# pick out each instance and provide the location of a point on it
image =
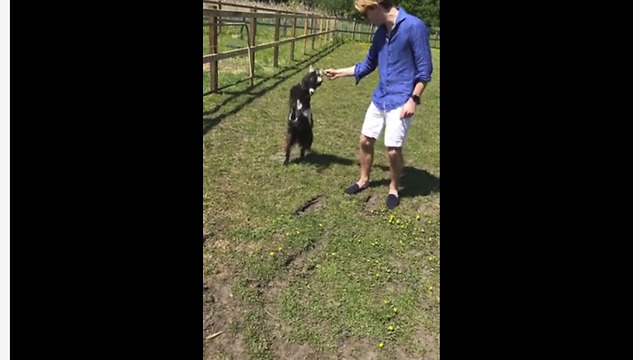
(311, 68)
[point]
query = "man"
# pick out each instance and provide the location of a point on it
(400, 50)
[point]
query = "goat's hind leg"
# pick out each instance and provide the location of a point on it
(289, 141)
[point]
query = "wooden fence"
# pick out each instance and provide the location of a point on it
(316, 28)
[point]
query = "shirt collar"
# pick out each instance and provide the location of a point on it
(401, 15)
(399, 18)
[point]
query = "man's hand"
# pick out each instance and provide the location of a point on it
(338, 73)
(333, 74)
(409, 109)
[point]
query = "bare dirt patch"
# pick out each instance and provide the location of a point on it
(431, 208)
(354, 349)
(311, 205)
(219, 314)
(372, 202)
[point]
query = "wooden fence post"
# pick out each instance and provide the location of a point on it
(293, 43)
(304, 41)
(252, 43)
(213, 49)
(220, 8)
(353, 30)
(313, 33)
(276, 49)
(322, 26)
(326, 26)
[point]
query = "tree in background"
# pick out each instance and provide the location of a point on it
(427, 10)
(335, 7)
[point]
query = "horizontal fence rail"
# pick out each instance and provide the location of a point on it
(314, 27)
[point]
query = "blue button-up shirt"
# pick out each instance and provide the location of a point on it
(403, 58)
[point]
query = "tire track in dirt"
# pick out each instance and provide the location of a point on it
(297, 266)
(221, 309)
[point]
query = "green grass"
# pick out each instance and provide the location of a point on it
(322, 293)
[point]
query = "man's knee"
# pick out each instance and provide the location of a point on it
(366, 142)
(394, 151)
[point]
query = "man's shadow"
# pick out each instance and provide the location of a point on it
(415, 182)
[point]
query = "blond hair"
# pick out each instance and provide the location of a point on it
(361, 5)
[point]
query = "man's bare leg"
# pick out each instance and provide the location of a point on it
(396, 162)
(366, 160)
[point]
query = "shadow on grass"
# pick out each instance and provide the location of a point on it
(208, 121)
(415, 182)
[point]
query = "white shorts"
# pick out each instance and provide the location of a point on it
(395, 130)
